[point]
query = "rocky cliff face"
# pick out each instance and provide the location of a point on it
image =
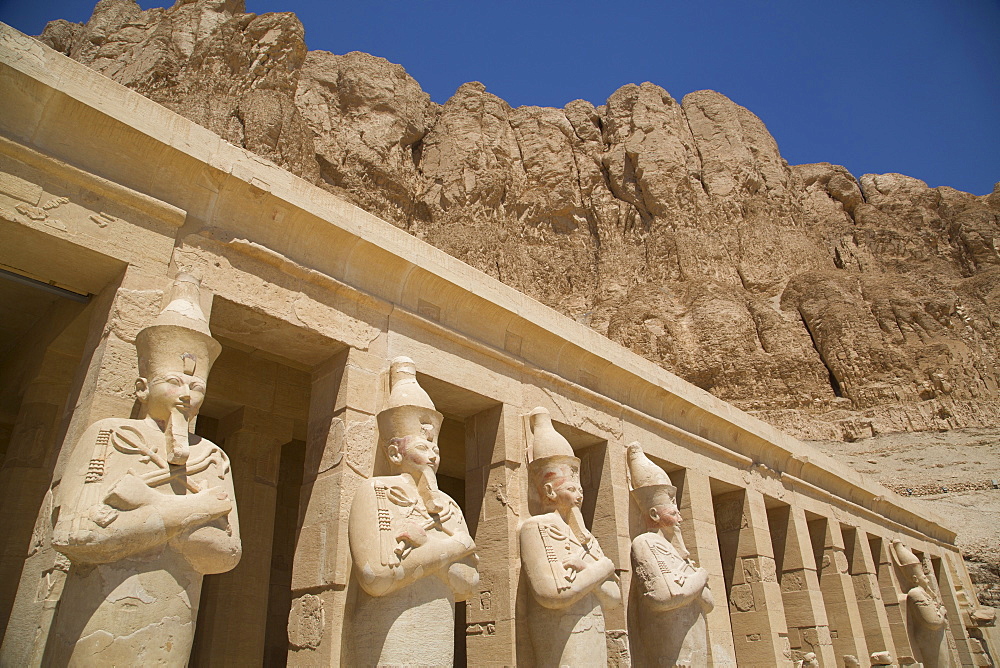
(831, 307)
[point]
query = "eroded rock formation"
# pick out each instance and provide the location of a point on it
(831, 307)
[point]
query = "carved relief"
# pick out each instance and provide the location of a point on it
(729, 515)
(572, 582)
(668, 624)
(306, 622)
(43, 214)
(103, 219)
(413, 555)
(145, 508)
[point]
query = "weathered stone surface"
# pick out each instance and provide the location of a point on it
(833, 308)
(232, 72)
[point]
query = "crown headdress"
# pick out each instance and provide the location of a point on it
(178, 340)
(410, 411)
(651, 485)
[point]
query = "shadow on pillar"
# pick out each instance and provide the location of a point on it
(255, 410)
(863, 571)
(40, 353)
(795, 561)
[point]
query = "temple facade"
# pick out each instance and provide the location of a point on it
(377, 400)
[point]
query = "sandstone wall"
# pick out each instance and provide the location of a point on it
(831, 307)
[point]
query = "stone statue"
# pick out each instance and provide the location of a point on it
(145, 508)
(413, 555)
(569, 576)
(925, 614)
(669, 626)
(809, 660)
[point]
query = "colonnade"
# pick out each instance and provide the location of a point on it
(797, 573)
(106, 196)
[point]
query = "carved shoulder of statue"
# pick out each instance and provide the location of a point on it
(668, 580)
(929, 611)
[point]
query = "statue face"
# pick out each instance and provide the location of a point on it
(171, 392)
(665, 516)
(415, 454)
(565, 492)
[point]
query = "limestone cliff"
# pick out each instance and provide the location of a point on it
(832, 307)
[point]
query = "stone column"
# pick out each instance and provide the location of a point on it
(340, 452)
(103, 386)
(233, 617)
(494, 443)
(838, 593)
(808, 628)
(702, 541)
(874, 620)
(756, 611)
(892, 595)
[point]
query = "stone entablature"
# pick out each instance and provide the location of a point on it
(106, 193)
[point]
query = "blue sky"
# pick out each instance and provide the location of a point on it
(877, 86)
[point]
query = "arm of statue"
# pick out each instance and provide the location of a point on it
(610, 593)
(556, 584)
(660, 593)
(463, 577)
(214, 547)
(381, 567)
(105, 521)
(929, 612)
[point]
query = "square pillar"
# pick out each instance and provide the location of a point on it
(838, 591)
(602, 473)
(494, 443)
(340, 452)
(702, 541)
(982, 639)
(27, 467)
(958, 638)
(874, 620)
(805, 614)
(756, 611)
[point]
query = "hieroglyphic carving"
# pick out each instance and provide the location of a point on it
(42, 213)
(103, 219)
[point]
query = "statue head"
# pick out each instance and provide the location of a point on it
(909, 564)
(409, 425)
(176, 353)
(652, 490)
(554, 471)
(559, 485)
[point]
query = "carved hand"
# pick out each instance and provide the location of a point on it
(610, 594)
(700, 578)
(463, 578)
(574, 563)
(193, 510)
